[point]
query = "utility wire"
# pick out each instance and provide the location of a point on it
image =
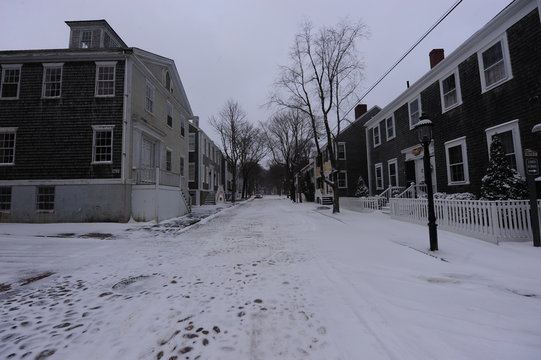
(406, 54)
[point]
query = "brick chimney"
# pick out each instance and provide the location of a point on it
(360, 109)
(436, 55)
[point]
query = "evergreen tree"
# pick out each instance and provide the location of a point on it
(362, 189)
(501, 182)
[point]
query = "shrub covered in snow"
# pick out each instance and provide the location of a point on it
(362, 189)
(501, 182)
(455, 196)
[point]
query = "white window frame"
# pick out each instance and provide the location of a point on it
(419, 112)
(95, 129)
(181, 165)
(47, 67)
(378, 136)
(457, 90)
(169, 114)
(380, 167)
(505, 58)
(9, 130)
(395, 163)
(461, 141)
(150, 97)
(338, 150)
(387, 128)
(168, 159)
(104, 64)
(5, 67)
(182, 126)
(81, 39)
(191, 140)
(345, 184)
(38, 202)
(514, 128)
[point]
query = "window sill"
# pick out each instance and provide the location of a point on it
(7, 164)
(50, 97)
(44, 211)
(101, 163)
(9, 98)
(444, 110)
(458, 183)
(104, 96)
(392, 137)
(485, 89)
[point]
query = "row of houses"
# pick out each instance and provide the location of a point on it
(100, 132)
(490, 85)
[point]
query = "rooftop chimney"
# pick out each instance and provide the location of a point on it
(195, 121)
(436, 55)
(360, 109)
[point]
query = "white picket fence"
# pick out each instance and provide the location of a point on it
(374, 202)
(492, 221)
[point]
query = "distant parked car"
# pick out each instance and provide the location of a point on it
(258, 196)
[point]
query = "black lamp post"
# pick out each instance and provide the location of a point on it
(424, 132)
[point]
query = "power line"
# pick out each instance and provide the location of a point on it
(406, 54)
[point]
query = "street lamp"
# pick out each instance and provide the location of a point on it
(424, 133)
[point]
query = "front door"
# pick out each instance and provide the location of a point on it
(420, 172)
(410, 172)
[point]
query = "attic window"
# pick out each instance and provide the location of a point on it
(168, 81)
(86, 39)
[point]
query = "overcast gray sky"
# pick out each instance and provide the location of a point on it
(232, 48)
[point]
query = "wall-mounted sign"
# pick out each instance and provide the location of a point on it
(532, 166)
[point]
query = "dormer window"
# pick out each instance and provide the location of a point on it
(86, 39)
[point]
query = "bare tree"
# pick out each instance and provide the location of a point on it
(230, 123)
(321, 78)
(252, 150)
(289, 137)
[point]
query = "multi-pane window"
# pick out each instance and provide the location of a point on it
(509, 136)
(5, 198)
(415, 112)
(7, 146)
(506, 138)
(450, 91)
(376, 135)
(191, 142)
(389, 125)
(181, 166)
(191, 172)
(149, 97)
(494, 64)
(457, 166)
(342, 179)
(169, 114)
(52, 80)
(341, 151)
(11, 78)
(168, 160)
(379, 175)
(102, 150)
(105, 79)
(45, 198)
(393, 173)
(86, 39)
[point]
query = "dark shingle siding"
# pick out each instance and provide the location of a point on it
(54, 136)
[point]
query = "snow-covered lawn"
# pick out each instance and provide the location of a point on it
(266, 279)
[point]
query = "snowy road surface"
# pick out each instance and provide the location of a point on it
(267, 279)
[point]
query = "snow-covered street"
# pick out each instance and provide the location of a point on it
(267, 279)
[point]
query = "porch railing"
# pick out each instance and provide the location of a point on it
(148, 176)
